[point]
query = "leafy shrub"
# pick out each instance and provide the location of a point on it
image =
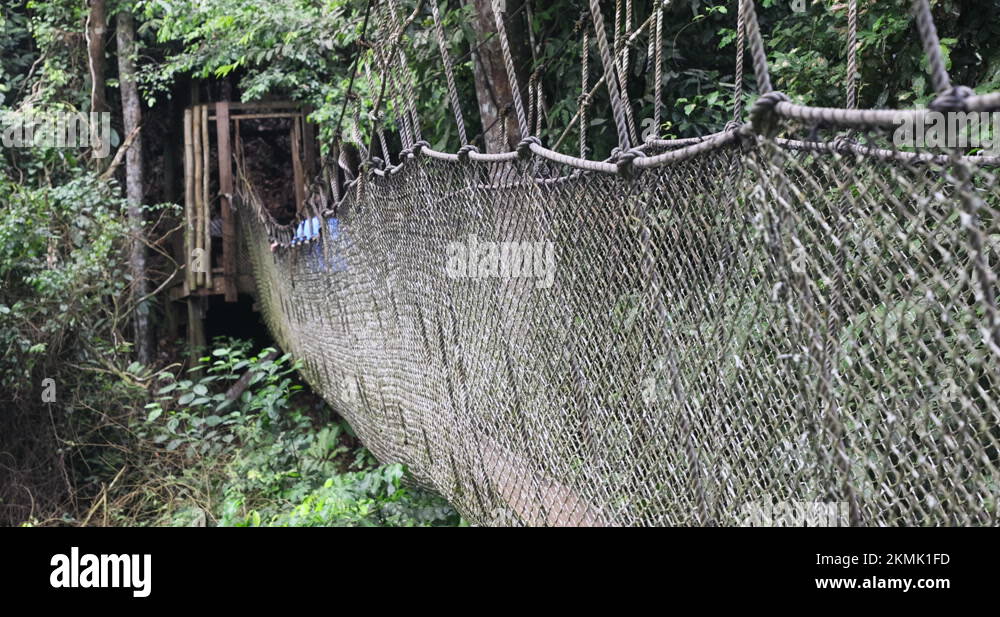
(264, 459)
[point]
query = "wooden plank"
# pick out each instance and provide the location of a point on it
(226, 200)
(189, 246)
(206, 200)
(267, 116)
(236, 106)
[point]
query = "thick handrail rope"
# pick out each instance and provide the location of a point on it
(932, 46)
(883, 154)
(610, 77)
(852, 54)
(508, 60)
(449, 74)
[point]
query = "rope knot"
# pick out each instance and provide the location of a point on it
(842, 144)
(762, 116)
(464, 151)
(420, 145)
(952, 99)
(524, 148)
(626, 159)
(377, 163)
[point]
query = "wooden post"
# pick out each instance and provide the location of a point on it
(199, 174)
(311, 147)
(300, 185)
(226, 200)
(196, 324)
(206, 201)
(191, 280)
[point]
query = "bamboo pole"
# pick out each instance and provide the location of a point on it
(205, 199)
(225, 158)
(199, 174)
(191, 279)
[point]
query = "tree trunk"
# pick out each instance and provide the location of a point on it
(493, 88)
(97, 29)
(134, 182)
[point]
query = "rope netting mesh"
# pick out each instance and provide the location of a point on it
(748, 319)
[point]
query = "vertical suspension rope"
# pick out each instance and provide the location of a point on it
(539, 106)
(752, 31)
(852, 54)
(616, 43)
(376, 125)
(584, 101)
(515, 90)
(658, 83)
(354, 69)
(740, 53)
(932, 46)
(409, 82)
(610, 75)
(623, 31)
(626, 34)
(449, 75)
(532, 82)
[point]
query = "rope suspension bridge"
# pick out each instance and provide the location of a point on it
(666, 336)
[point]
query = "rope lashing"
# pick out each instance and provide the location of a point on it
(762, 115)
(524, 146)
(952, 99)
(419, 145)
(465, 151)
(625, 160)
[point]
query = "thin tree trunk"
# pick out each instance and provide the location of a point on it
(97, 29)
(493, 89)
(135, 184)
